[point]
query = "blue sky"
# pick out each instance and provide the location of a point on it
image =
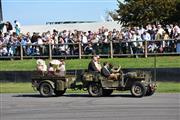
(30, 12)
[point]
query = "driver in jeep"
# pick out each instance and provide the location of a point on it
(106, 72)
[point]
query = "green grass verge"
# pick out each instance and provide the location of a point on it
(163, 87)
(15, 88)
(168, 87)
(162, 62)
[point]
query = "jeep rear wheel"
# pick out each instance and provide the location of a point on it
(46, 89)
(59, 92)
(138, 89)
(107, 92)
(95, 89)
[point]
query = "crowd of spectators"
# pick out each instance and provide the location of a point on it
(129, 40)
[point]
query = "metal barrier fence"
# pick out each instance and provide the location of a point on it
(78, 50)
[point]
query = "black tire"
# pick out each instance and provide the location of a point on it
(107, 92)
(46, 89)
(138, 89)
(59, 92)
(95, 89)
(150, 92)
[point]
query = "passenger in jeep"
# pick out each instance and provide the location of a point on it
(94, 65)
(41, 66)
(61, 70)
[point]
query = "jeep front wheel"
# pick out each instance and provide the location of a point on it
(138, 89)
(46, 89)
(95, 89)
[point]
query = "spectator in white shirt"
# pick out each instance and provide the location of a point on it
(160, 31)
(84, 38)
(146, 36)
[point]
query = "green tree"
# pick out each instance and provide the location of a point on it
(141, 12)
(175, 17)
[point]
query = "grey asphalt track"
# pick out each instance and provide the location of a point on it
(83, 107)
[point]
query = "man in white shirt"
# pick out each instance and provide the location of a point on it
(146, 36)
(160, 30)
(84, 38)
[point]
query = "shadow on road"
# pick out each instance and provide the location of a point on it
(72, 95)
(87, 95)
(28, 95)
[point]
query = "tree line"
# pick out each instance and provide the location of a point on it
(143, 12)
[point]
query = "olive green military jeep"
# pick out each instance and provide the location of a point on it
(138, 82)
